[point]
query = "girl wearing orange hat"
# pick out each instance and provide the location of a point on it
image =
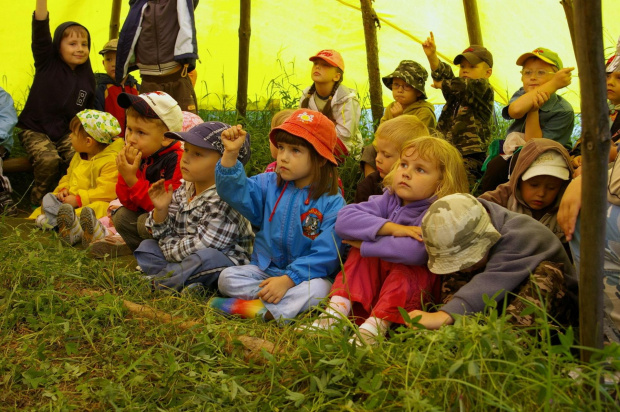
(339, 103)
(295, 210)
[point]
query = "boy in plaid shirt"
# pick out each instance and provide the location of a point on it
(196, 234)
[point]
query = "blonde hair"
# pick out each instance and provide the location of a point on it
(448, 159)
(400, 129)
(281, 117)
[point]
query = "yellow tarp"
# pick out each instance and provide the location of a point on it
(286, 32)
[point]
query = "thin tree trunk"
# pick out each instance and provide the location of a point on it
(372, 61)
(115, 19)
(473, 22)
(569, 11)
(595, 151)
(245, 32)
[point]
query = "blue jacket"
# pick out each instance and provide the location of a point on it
(296, 235)
(8, 119)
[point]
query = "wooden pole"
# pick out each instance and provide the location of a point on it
(115, 19)
(595, 151)
(245, 31)
(569, 11)
(473, 22)
(369, 19)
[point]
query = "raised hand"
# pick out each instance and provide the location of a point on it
(160, 195)
(429, 46)
(562, 78)
(233, 140)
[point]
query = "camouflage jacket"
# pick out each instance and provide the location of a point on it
(465, 118)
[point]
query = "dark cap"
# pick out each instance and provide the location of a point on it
(208, 135)
(475, 54)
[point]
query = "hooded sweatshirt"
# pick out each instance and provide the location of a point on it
(57, 93)
(523, 245)
(509, 194)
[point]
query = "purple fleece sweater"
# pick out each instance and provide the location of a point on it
(362, 221)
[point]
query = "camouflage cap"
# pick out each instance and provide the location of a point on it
(410, 72)
(475, 54)
(457, 233)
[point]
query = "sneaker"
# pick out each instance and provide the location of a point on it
(68, 226)
(43, 222)
(111, 246)
(7, 207)
(92, 229)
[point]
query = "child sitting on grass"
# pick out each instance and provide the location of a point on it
(465, 119)
(196, 234)
(340, 104)
(537, 110)
(389, 139)
(407, 86)
(536, 186)
(63, 85)
(90, 180)
(296, 248)
(481, 248)
(386, 268)
(147, 157)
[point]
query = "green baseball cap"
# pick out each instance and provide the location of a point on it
(543, 54)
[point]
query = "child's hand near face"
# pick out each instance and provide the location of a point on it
(130, 154)
(396, 109)
(128, 170)
(233, 140)
(274, 288)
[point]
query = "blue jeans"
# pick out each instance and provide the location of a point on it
(242, 282)
(203, 266)
(611, 274)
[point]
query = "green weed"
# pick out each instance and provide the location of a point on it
(69, 342)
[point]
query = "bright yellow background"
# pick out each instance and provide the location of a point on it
(286, 32)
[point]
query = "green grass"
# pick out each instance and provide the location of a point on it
(68, 342)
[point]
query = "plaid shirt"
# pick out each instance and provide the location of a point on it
(203, 222)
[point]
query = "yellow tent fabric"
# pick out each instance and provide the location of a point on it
(285, 33)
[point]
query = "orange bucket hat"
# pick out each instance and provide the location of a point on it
(313, 127)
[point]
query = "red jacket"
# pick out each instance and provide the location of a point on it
(163, 164)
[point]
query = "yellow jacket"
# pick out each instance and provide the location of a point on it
(94, 180)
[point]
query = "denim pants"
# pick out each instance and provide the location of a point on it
(242, 282)
(611, 274)
(203, 266)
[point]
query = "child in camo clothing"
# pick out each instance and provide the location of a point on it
(481, 248)
(465, 118)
